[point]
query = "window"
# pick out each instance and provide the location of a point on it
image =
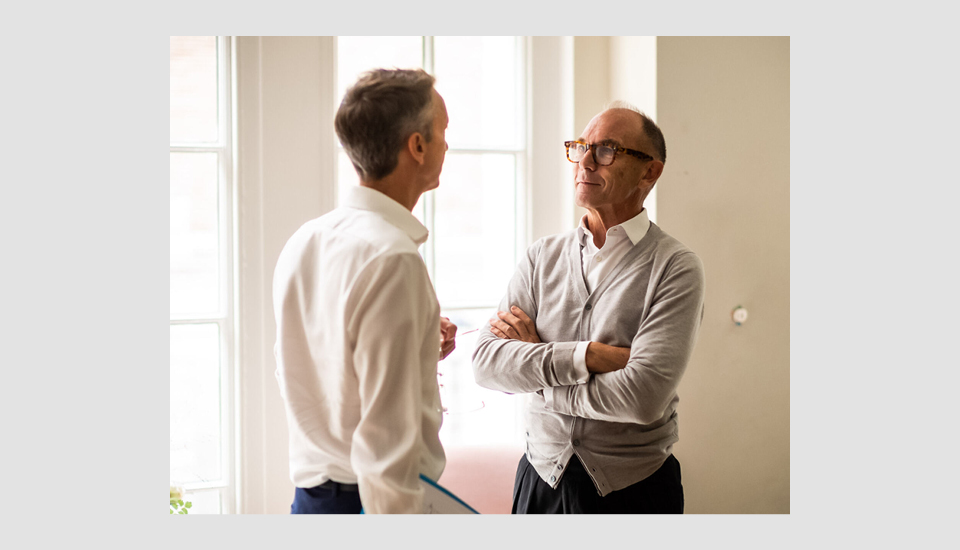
(477, 216)
(201, 281)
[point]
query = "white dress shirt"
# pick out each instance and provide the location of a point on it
(596, 264)
(358, 339)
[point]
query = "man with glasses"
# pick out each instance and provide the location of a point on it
(596, 328)
(359, 330)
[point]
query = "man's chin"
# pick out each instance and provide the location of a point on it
(584, 194)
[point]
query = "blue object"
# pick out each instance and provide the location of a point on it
(446, 492)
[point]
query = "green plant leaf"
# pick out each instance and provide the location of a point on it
(189, 504)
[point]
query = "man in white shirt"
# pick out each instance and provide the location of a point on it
(359, 330)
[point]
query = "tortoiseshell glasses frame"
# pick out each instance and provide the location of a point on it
(603, 154)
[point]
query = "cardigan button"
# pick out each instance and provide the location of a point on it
(587, 307)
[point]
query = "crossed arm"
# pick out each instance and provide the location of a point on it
(635, 384)
(517, 325)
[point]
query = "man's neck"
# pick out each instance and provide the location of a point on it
(394, 187)
(599, 222)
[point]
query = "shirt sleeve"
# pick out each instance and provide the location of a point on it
(580, 362)
(659, 354)
(579, 365)
(389, 328)
(512, 366)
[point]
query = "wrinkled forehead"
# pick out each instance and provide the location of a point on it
(622, 126)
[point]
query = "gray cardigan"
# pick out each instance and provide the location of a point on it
(622, 425)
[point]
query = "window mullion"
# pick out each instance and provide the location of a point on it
(430, 198)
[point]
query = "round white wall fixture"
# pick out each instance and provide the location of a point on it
(739, 315)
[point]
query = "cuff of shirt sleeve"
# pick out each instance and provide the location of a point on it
(580, 363)
(548, 398)
(564, 371)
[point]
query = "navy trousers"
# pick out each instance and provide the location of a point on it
(661, 493)
(328, 498)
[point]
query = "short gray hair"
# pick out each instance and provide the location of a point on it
(379, 113)
(649, 127)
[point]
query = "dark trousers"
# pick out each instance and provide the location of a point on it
(661, 493)
(328, 498)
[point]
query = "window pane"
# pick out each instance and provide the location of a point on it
(194, 403)
(477, 77)
(194, 234)
(475, 415)
(356, 54)
(193, 89)
(475, 229)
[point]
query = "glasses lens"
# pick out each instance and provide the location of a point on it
(604, 154)
(575, 151)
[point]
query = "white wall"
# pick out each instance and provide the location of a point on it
(724, 108)
(285, 176)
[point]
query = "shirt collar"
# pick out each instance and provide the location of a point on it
(635, 228)
(365, 198)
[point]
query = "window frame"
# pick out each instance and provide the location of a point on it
(226, 315)
(521, 155)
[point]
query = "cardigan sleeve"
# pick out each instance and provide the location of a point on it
(644, 390)
(512, 366)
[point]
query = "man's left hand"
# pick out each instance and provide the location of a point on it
(448, 335)
(514, 325)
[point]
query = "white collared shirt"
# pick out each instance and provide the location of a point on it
(597, 263)
(358, 339)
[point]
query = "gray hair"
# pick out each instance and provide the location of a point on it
(379, 113)
(649, 127)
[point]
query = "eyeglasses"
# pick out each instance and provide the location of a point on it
(604, 155)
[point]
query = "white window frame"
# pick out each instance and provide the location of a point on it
(521, 174)
(521, 156)
(225, 317)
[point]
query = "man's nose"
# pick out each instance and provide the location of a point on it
(587, 161)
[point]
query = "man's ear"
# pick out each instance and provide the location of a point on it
(417, 147)
(649, 177)
(652, 174)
